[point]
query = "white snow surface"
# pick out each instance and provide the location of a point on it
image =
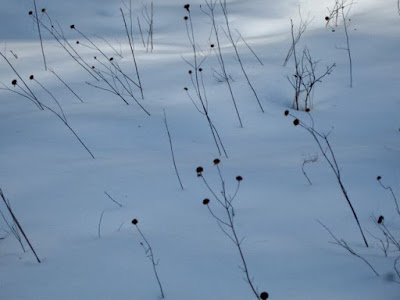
(56, 189)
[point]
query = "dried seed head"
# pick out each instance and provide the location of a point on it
(43, 10)
(190, 71)
(200, 69)
(30, 12)
(134, 221)
(14, 82)
(327, 18)
(216, 161)
(31, 77)
(185, 18)
(95, 57)
(307, 109)
(239, 178)
(111, 58)
(286, 112)
(212, 45)
(378, 178)
(264, 296)
(72, 26)
(186, 6)
(206, 201)
(93, 67)
(199, 170)
(185, 88)
(296, 122)
(380, 219)
(77, 42)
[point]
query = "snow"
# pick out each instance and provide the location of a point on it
(57, 190)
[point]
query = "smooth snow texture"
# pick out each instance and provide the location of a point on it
(57, 191)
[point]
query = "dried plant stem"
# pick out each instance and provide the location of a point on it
(389, 188)
(226, 222)
(131, 45)
(346, 246)
(172, 150)
(40, 36)
(233, 43)
(198, 85)
(66, 85)
(325, 147)
(99, 225)
(18, 224)
(112, 199)
(150, 255)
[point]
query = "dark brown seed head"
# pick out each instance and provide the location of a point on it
(199, 170)
(72, 26)
(30, 12)
(95, 57)
(93, 67)
(185, 18)
(190, 71)
(380, 219)
(200, 69)
(186, 6)
(327, 18)
(185, 88)
(31, 77)
(43, 10)
(296, 122)
(134, 221)
(111, 58)
(378, 178)
(77, 42)
(264, 296)
(14, 82)
(286, 112)
(307, 109)
(239, 178)
(206, 201)
(212, 45)
(216, 161)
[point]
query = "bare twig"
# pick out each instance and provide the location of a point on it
(40, 34)
(325, 147)
(112, 199)
(346, 246)
(18, 224)
(99, 225)
(150, 255)
(172, 150)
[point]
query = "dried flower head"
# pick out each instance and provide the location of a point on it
(111, 58)
(380, 219)
(190, 71)
(31, 77)
(134, 221)
(30, 13)
(216, 161)
(199, 170)
(72, 26)
(307, 109)
(185, 88)
(43, 10)
(14, 82)
(186, 6)
(378, 178)
(327, 18)
(93, 67)
(212, 45)
(296, 122)
(185, 18)
(239, 178)
(264, 296)
(206, 201)
(200, 69)
(286, 112)
(77, 42)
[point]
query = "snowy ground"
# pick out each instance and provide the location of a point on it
(57, 190)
